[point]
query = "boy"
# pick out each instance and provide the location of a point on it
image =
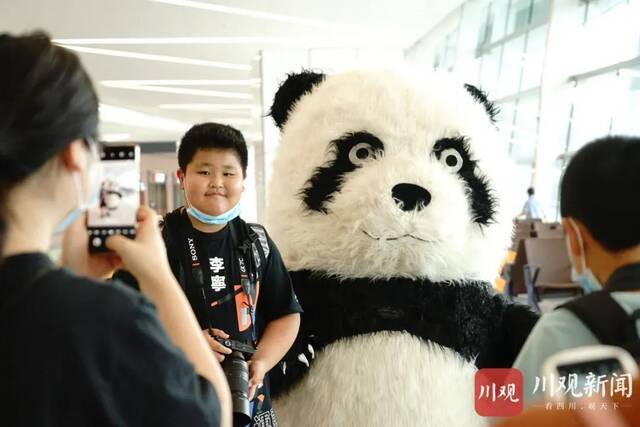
(242, 295)
(600, 207)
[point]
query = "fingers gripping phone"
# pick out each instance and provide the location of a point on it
(586, 361)
(119, 196)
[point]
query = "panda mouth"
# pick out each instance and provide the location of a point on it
(398, 237)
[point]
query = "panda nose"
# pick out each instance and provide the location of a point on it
(410, 196)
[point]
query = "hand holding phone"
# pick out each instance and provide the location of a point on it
(74, 254)
(586, 364)
(119, 196)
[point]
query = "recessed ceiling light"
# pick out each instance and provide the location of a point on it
(262, 15)
(208, 107)
(115, 137)
(188, 40)
(159, 58)
(200, 82)
(379, 39)
(125, 116)
(238, 121)
(180, 91)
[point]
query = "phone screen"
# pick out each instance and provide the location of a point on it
(119, 195)
(605, 366)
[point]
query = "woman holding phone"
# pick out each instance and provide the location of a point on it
(78, 351)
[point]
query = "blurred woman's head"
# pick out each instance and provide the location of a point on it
(48, 116)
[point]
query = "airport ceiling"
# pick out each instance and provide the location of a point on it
(160, 65)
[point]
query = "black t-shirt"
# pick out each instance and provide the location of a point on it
(221, 276)
(78, 352)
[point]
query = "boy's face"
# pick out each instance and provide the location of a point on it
(213, 181)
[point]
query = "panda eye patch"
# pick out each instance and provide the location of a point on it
(451, 159)
(360, 153)
(348, 153)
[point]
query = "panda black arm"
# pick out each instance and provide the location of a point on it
(294, 365)
(510, 326)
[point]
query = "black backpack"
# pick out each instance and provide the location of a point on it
(244, 235)
(607, 320)
(250, 239)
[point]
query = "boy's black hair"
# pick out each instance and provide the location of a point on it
(207, 136)
(601, 189)
(531, 191)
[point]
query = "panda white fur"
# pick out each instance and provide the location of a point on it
(385, 204)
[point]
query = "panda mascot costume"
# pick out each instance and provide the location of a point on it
(385, 205)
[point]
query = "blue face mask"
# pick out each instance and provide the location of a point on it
(214, 219)
(586, 278)
(81, 205)
(221, 219)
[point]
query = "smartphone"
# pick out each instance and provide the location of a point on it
(119, 195)
(581, 361)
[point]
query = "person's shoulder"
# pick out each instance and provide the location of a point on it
(629, 301)
(565, 327)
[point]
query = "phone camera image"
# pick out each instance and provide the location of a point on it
(119, 196)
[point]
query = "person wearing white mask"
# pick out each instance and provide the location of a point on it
(77, 350)
(600, 208)
(231, 271)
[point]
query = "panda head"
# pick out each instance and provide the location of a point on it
(386, 174)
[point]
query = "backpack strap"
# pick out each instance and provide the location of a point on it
(170, 229)
(171, 233)
(244, 233)
(262, 238)
(607, 320)
(602, 315)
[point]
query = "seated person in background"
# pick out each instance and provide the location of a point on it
(76, 350)
(600, 207)
(231, 271)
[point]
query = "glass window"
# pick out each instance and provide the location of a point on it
(484, 36)
(506, 112)
(499, 9)
(598, 8)
(534, 58)
(627, 111)
(525, 130)
(436, 60)
(511, 67)
(450, 46)
(489, 70)
(593, 102)
(540, 12)
(519, 14)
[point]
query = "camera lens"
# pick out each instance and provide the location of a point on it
(237, 372)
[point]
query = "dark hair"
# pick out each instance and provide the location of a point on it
(601, 189)
(46, 101)
(531, 191)
(207, 136)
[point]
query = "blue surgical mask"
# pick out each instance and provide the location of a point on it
(214, 219)
(81, 205)
(223, 218)
(586, 279)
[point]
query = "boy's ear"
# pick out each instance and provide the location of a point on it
(180, 175)
(572, 238)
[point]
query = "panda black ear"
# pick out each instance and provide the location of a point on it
(295, 86)
(481, 97)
